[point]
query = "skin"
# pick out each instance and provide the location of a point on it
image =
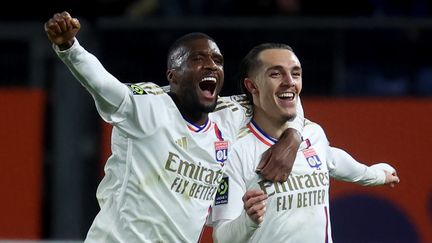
(196, 59)
(279, 73)
(254, 203)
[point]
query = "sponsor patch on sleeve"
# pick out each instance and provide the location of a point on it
(136, 89)
(222, 192)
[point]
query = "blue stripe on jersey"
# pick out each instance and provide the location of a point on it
(260, 134)
(197, 128)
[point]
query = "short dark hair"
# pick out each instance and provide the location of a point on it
(251, 62)
(181, 42)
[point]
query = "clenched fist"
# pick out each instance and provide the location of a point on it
(61, 29)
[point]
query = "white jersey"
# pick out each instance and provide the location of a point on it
(296, 210)
(163, 173)
(159, 164)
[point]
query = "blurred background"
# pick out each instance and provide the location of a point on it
(367, 80)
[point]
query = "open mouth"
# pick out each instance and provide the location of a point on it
(208, 86)
(288, 96)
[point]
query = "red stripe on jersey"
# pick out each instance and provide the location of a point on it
(208, 127)
(218, 132)
(267, 140)
(196, 128)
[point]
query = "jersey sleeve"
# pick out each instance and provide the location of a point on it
(231, 114)
(343, 166)
(299, 122)
(109, 94)
(236, 111)
(132, 108)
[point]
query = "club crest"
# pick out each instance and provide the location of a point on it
(221, 151)
(312, 158)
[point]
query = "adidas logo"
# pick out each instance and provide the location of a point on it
(182, 142)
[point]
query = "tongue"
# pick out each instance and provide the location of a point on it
(207, 94)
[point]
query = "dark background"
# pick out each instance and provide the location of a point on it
(375, 48)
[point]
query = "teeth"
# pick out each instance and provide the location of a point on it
(286, 95)
(211, 79)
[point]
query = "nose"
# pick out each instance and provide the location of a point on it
(289, 80)
(210, 64)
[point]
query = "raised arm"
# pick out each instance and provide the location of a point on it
(108, 92)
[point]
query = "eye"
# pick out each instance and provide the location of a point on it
(296, 74)
(197, 58)
(218, 61)
(275, 74)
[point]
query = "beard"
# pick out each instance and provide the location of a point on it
(190, 105)
(193, 104)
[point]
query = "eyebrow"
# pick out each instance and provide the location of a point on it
(206, 53)
(280, 67)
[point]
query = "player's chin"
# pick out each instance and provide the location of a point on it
(289, 116)
(209, 106)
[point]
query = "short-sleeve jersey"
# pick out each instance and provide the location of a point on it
(160, 163)
(298, 209)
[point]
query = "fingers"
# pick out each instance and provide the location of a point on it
(61, 23)
(254, 202)
(391, 178)
(275, 169)
(75, 23)
(268, 170)
(277, 162)
(264, 160)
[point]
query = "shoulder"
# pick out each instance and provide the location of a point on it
(313, 130)
(245, 141)
(234, 103)
(145, 88)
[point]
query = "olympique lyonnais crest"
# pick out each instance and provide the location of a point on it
(221, 151)
(312, 158)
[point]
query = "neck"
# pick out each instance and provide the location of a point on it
(191, 115)
(271, 126)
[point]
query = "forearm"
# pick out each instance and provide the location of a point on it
(344, 167)
(107, 91)
(298, 122)
(238, 230)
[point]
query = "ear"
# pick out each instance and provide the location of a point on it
(170, 75)
(250, 86)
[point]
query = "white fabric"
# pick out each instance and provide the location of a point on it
(344, 167)
(297, 210)
(161, 178)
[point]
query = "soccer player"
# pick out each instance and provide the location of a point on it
(249, 208)
(168, 149)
